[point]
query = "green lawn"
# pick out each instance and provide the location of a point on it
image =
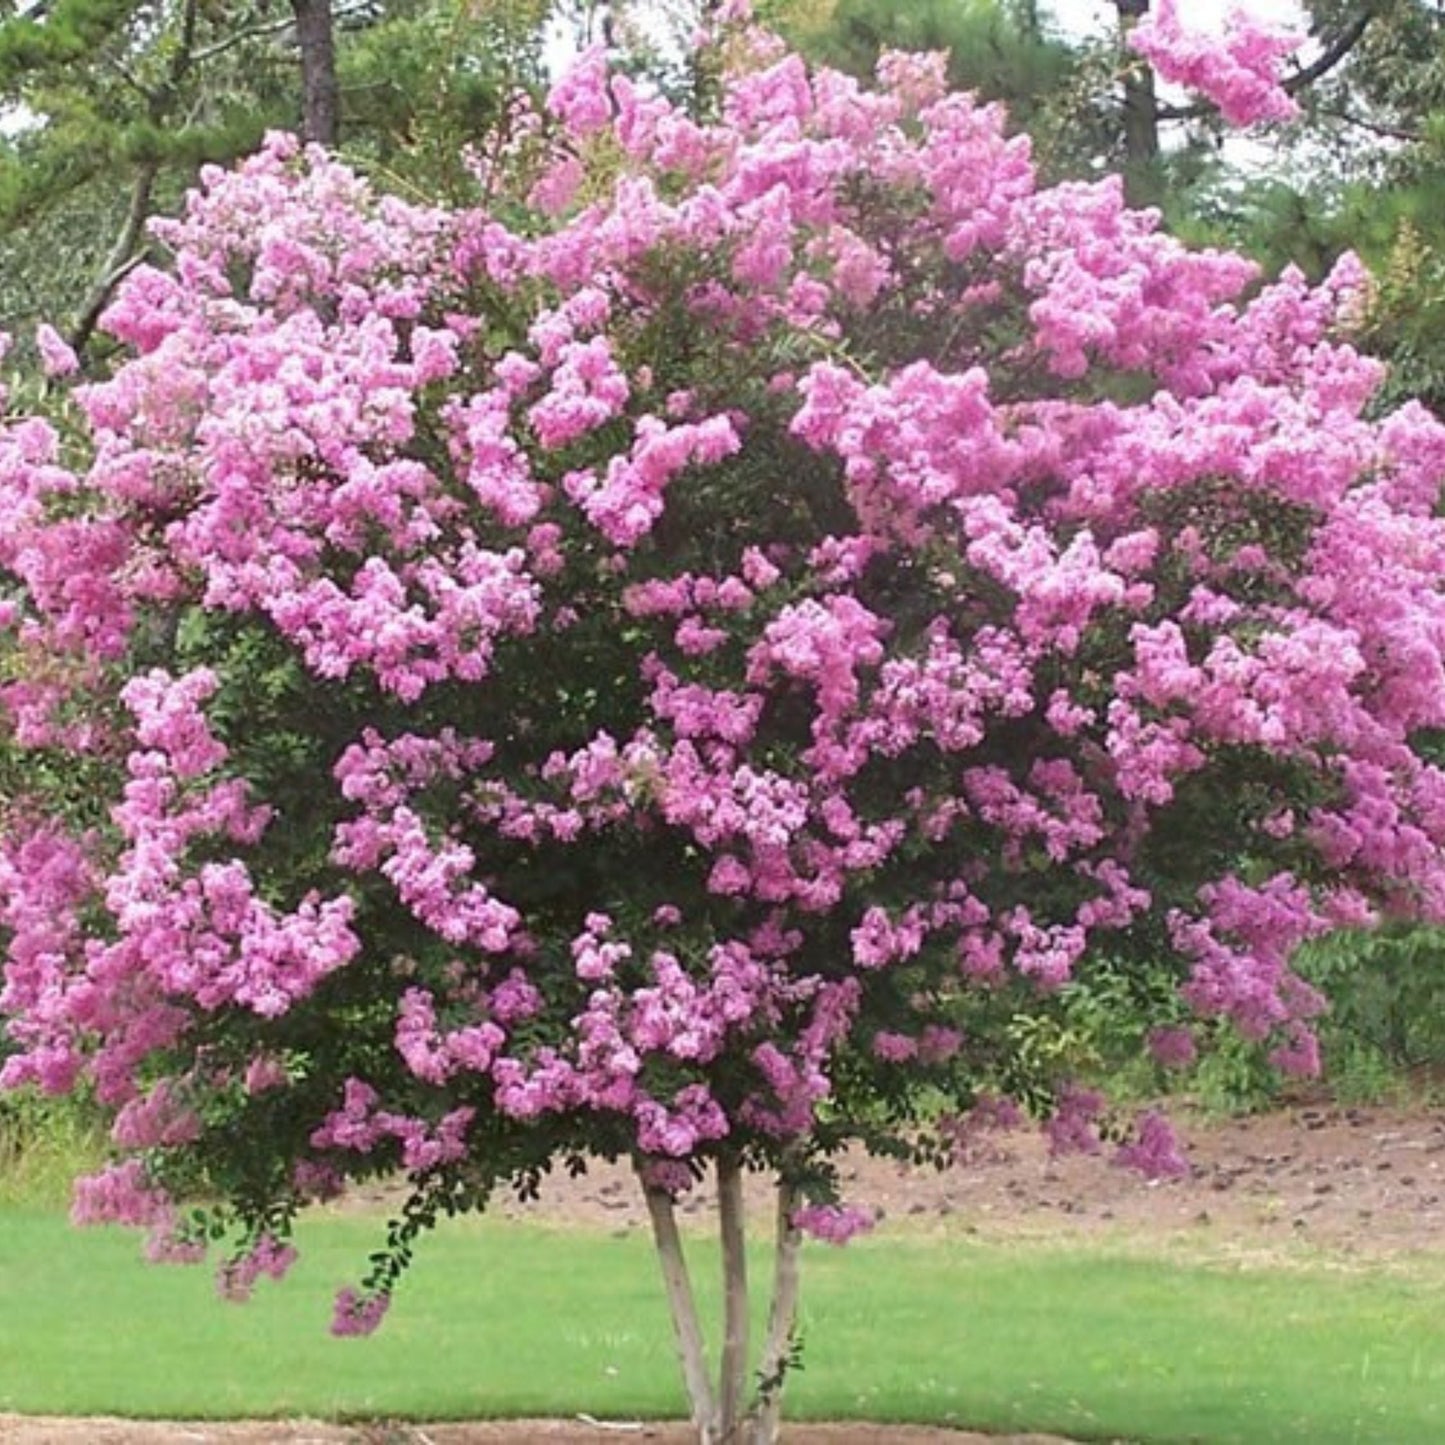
(503, 1320)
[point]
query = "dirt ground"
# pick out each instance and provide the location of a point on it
(1352, 1183)
(1345, 1186)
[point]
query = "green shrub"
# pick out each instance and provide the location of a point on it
(1382, 1039)
(1386, 993)
(44, 1144)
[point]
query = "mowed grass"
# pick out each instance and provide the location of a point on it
(499, 1320)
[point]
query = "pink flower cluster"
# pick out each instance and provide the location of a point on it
(357, 1315)
(1238, 69)
(834, 1224)
(1155, 1150)
(237, 1278)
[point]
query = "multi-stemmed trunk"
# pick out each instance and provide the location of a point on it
(725, 1411)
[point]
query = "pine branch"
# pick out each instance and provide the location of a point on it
(1384, 129)
(271, 27)
(123, 258)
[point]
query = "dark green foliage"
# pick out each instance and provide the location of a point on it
(428, 80)
(1387, 992)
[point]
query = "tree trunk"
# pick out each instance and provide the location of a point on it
(128, 249)
(724, 1416)
(125, 254)
(1141, 115)
(320, 93)
(691, 1351)
(782, 1320)
(733, 1367)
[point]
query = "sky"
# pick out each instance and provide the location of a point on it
(1075, 18)
(1091, 17)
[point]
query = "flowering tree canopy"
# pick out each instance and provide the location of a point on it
(672, 660)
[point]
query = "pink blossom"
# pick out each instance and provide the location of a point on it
(264, 1073)
(670, 1175)
(623, 694)
(895, 1048)
(356, 1314)
(579, 98)
(167, 1245)
(1238, 70)
(834, 1224)
(1300, 1054)
(120, 1194)
(557, 188)
(968, 1135)
(1072, 1128)
(1155, 1152)
(57, 357)
(1174, 1048)
(160, 1119)
(266, 1255)
(937, 1044)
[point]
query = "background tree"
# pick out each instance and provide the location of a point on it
(119, 104)
(320, 88)
(119, 101)
(1374, 185)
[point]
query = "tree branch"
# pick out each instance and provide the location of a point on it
(184, 57)
(1331, 56)
(122, 258)
(1375, 127)
(126, 252)
(260, 32)
(782, 1318)
(131, 79)
(240, 37)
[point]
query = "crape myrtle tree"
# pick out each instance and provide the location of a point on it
(672, 663)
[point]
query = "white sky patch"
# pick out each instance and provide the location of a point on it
(1079, 19)
(1074, 20)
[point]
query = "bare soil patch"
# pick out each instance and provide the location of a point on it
(1351, 1183)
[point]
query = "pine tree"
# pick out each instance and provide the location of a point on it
(119, 102)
